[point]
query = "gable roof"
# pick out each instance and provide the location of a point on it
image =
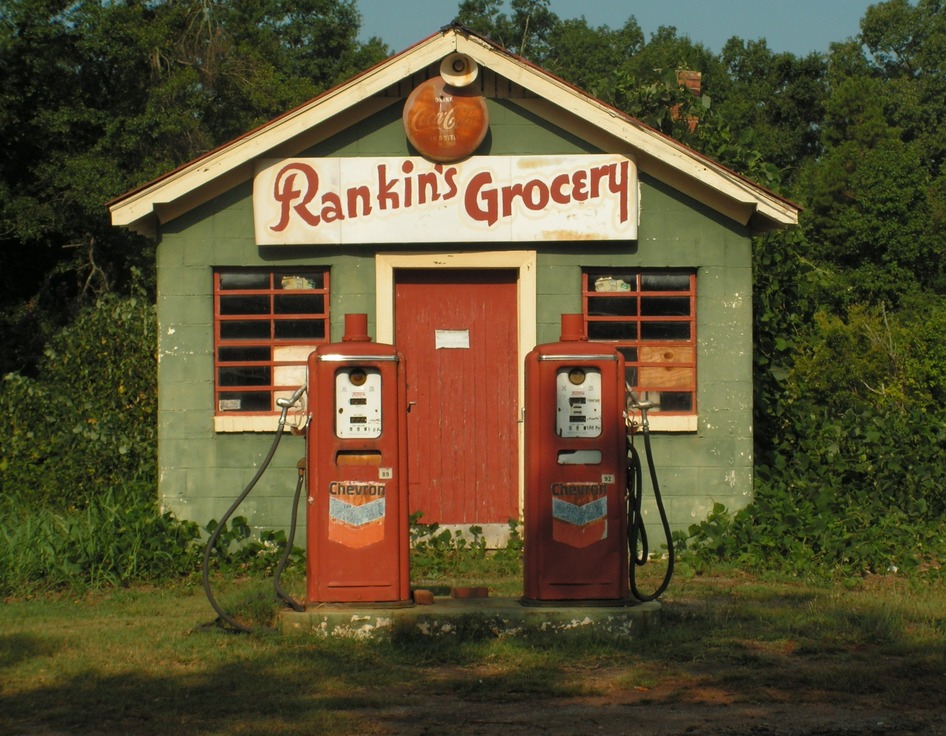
(388, 82)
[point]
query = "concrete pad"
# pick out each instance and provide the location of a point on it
(471, 618)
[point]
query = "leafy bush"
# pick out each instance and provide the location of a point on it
(441, 553)
(119, 539)
(818, 532)
(865, 413)
(852, 477)
(115, 539)
(78, 498)
(88, 421)
(237, 550)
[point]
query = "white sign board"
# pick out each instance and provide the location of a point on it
(334, 201)
(452, 339)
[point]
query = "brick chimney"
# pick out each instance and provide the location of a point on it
(693, 81)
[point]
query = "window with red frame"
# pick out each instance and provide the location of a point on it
(265, 325)
(650, 317)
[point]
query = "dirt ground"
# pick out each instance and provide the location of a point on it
(776, 688)
(570, 718)
(681, 708)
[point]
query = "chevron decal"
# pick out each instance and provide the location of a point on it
(580, 515)
(346, 513)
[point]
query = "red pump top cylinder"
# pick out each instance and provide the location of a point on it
(356, 328)
(573, 328)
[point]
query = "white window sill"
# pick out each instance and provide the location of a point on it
(687, 423)
(258, 423)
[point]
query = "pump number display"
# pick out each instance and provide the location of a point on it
(358, 403)
(578, 411)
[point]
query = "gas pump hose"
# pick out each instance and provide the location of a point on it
(293, 519)
(221, 525)
(636, 533)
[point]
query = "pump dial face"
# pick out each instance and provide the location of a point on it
(576, 376)
(357, 377)
(358, 403)
(578, 411)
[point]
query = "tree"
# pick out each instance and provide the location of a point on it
(668, 51)
(592, 58)
(905, 46)
(875, 198)
(524, 32)
(98, 97)
(779, 96)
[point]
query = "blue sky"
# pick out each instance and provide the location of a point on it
(798, 26)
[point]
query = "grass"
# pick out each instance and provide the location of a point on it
(147, 661)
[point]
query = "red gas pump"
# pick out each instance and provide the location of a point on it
(357, 521)
(575, 492)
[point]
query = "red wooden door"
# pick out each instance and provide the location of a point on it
(457, 330)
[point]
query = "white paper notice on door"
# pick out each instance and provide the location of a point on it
(452, 339)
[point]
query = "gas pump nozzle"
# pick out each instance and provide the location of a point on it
(292, 400)
(287, 404)
(635, 403)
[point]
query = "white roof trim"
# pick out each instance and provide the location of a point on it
(139, 209)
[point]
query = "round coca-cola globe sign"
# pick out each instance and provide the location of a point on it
(443, 122)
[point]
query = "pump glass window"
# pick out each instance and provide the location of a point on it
(358, 403)
(265, 325)
(578, 413)
(650, 316)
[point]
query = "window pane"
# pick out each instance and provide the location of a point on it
(240, 330)
(313, 304)
(665, 282)
(244, 376)
(300, 329)
(665, 306)
(300, 280)
(612, 282)
(665, 331)
(244, 401)
(612, 307)
(243, 354)
(244, 280)
(675, 401)
(612, 331)
(630, 354)
(245, 304)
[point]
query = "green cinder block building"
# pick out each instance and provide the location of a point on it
(464, 200)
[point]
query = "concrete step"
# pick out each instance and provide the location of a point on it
(471, 617)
